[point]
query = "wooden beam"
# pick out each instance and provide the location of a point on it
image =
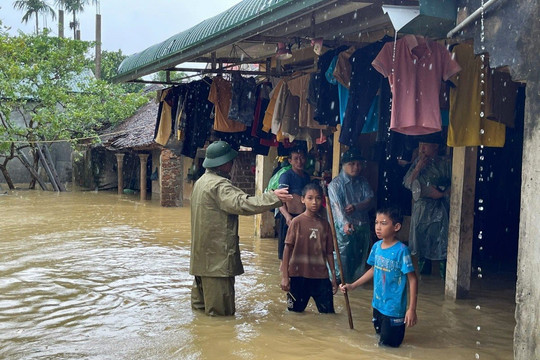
(143, 159)
(460, 231)
(120, 172)
(336, 152)
(264, 165)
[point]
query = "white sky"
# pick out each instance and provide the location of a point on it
(129, 25)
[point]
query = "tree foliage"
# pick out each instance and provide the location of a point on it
(46, 82)
(161, 76)
(110, 61)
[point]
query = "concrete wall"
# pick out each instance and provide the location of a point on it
(527, 332)
(512, 30)
(61, 158)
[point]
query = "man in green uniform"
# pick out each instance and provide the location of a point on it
(215, 251)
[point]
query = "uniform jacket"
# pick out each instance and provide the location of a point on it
(215, 206)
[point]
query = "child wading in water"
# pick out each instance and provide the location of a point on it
(391, 267)
(308, 249)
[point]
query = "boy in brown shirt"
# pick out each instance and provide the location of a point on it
(308, 250)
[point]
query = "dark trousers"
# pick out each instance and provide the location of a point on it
(391, 329)
(303, 288)
(282, 233)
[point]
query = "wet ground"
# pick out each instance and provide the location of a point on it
(86, 275)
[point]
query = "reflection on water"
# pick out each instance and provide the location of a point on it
(97, 276)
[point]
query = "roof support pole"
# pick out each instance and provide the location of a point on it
(120, 172)
(460, 230)
(143, 159)
(264, 222)
(470, 18)
(336, 152)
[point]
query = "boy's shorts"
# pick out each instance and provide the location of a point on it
(303, 288)
(391, 329)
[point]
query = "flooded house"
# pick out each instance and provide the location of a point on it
(129, 160)
(493, 175)
(281, 44)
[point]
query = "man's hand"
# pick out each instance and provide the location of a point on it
(422, 162)
(348, 228)
(283, 195)
(349, 209)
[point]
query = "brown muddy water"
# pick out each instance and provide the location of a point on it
(86, 275)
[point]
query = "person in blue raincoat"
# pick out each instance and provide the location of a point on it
(428, 178)
(351, 197)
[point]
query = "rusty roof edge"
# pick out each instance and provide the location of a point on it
(249, 27)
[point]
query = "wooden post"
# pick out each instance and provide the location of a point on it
(460, 231)
(143, 158)
(28, 166)
(120, 172)
(264, 223)
(336, 152)
(47, 168)
(48, 159)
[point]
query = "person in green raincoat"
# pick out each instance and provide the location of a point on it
(428, 178)
(215, 251)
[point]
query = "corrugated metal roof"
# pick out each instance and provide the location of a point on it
(212, 27)
(159, 55)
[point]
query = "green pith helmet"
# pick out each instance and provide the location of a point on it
(218, 153)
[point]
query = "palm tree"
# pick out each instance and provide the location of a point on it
(33, 8)
(74, 6)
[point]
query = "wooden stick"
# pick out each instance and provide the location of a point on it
(338, 256)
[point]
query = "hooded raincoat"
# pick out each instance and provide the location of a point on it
(428, 237)
(215, 206)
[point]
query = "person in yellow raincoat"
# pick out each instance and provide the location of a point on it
(215, 251)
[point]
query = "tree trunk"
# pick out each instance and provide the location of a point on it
(60, 23)
(35, 166)
(74, 26)
(49, 161)
(47, 169)
(5, 172)
(30, 169)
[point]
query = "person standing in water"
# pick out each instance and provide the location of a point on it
(293, 179)
(215, 251)
(429, 178)
(351, 197)
(308, 250)
(391, 269)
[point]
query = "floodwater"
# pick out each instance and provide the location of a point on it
(86, 275)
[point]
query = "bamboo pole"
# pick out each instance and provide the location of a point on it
(338, 256)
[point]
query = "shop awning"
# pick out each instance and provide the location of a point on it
(251, 29)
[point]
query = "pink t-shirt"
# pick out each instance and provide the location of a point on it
(415, 76)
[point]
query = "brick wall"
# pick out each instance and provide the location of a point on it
(171, 178)
(243, 174)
